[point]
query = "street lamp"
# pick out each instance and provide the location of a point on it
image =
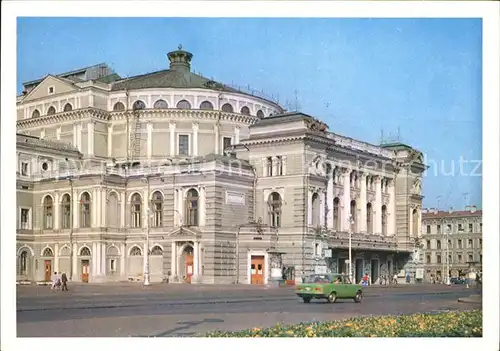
(350, 221)
(447, 258)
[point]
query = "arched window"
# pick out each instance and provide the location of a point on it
(315, 204)
(274, 202)
(136, 208)
(47, 252)
(192, 207)
(48, 208)
(85, 210)
(160, 104)
(138, 105)
(353, 216)
(206, 105)
(67, 107)
(157, 203)
(184, 105)
(369, 218)
(66, 212)
(384, 220)
(415, 223)
(23, 263)
(119, 107)
(157, 251)
(51, 110)
(336, 214)
(136, 251)
(85, 251)
(113, 211)
(260, 114)
(227, 108)
(35, 114)
(245, 111)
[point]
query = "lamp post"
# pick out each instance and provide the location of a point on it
(71, 200)
(146, 248)
(350, 221)
(447, 258)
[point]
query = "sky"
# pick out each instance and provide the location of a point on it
(421, 77)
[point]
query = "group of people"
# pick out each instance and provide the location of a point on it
(59, 282)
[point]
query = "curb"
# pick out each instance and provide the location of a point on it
(474, 299)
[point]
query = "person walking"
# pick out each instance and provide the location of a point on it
(64, 281)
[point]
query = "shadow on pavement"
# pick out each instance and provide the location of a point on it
(186, 325)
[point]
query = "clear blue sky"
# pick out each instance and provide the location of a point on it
(359, 75)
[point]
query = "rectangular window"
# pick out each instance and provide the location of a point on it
(471, 227)
(269, 166)
(428, 244)
(439, 228)
(450, 261)
(112, 266)
(24, 168)
(184, 145)
(428, 259)
(471, 258)
(450, 244)
(279, 165)
(449, 228)
(460, 227)
(25, 217)
(459, 258)
(51, 90)
(481, 227)
(470, 244)
(480, 243)
(438, 244)
(480, 258)
(428, 229)
(459, 243)
(226, 143)
(438, 258)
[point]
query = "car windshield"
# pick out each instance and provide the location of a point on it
(318, 278)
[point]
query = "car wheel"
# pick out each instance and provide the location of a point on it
(358, 297)
(306, 299)
(332, 297)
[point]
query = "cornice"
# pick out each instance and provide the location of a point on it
(61, 117)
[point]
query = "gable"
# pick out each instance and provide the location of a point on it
(42, 89)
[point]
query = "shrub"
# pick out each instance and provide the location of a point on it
(446, 324)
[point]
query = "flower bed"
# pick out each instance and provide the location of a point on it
(446, 324)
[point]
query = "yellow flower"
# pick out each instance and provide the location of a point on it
(348, 324)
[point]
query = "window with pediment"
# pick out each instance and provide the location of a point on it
(192, 207)
(384, 220)
(85, 210)
(157, 204)
(48, 215)
(336, 214)
(66, 212)
(275, 205)
(136, 209)
(369, 218)
(354, 217)
(315, 209)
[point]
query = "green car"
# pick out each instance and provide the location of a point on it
(330, 287)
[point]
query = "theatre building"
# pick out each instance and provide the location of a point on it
(202, 181)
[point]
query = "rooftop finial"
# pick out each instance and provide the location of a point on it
(179, 47)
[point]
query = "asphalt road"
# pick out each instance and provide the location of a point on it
(187, 311)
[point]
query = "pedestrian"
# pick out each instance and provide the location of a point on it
(64, 281)
(395, 278)
(408, 277)
(365, 279)
(55, 282)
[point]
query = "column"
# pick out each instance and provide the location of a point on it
(283, 164)
(75, 135)
(309, 207)
(122, 260)
(391, 211)
(98, 207)
(173, 259)
(76, 209)
(93, 208)
(363, 202)
(58, 133)
(346, 199)
(110, 140)
(236, 135)
(56, 258)
(94, 259)
(150, 140)
(195, 138)
(103, 259)
(377, 218)
(172, 139)
(329, 200)
(103, 208)
(57, 208)
(90, 139)
(203, 204)
(217, 138)
(196, 259)
(322, 202)
(123, 203)
(145, 207)
(275, 165)
(76, 274)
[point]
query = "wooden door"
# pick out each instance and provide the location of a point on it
(47, 264)
(257, 270)
(85, 271)
(189, 268)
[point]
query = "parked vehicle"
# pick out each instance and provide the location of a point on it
(330, 287)
(457, 280)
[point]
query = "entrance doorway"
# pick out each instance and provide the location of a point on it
(188, 263)
(257, 270)
(359, 270)
(47, 264)
(375, 271)
(85, 271)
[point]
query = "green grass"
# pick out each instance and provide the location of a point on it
(446, 324)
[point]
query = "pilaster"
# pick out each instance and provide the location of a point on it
(363, 203)
(377, 210)
(110, 140)
(329, 201)
(173, 150)
(347, 199)
(195, 138)
(149, 140)
(90, 139)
